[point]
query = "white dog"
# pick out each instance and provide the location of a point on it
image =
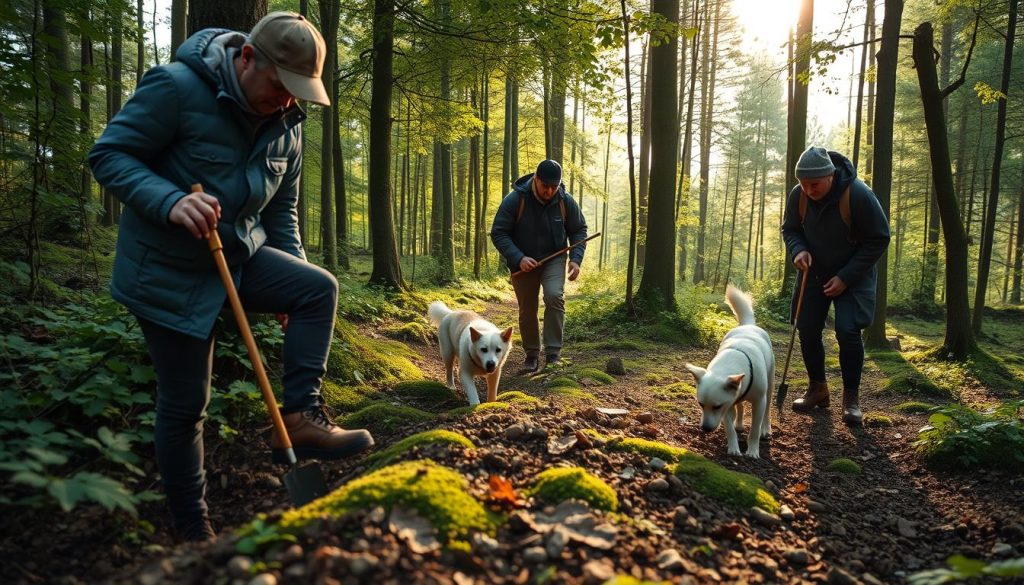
(480, 347)
(742, 371)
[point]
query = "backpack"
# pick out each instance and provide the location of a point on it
(561, 207)
(844, 208)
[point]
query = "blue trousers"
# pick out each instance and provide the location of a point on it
(854, 310)
(272, 282)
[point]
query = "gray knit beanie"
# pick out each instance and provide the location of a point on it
(814, 163)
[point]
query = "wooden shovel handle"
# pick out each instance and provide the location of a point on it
(556, 254)
(243, 325)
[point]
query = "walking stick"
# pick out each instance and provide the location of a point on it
(304, 483)
(780, 395)
(556, 254)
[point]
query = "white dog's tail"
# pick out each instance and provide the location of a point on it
(437, 311)
(741, 303)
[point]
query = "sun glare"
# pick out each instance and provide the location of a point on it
(766, 23)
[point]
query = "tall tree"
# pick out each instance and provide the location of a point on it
(239, 15)
(796, 138)
(179, 25)
(387, 271)
(446, 247)
(881, 179)
(959, 340)
(328, 230)
(657, 285)
(632, 170)
(985, 254)
(707, 97)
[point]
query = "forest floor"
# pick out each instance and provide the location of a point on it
(895, 518)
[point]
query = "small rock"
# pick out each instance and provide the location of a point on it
(837, 576)
(362, 564)
(494, 461)
(627, 472)
(268, 481)
(615, 367)
(906, 528)
(239, 566)
(656, 463)
(797, 556)
(770, 485)
(816, 507)
(514, 432)
(562, 444)
(764, 518)
(535, 555)
(870, 579)
(765, 565)
(786, 513)
(838, 529)
(681, 516)
(484, 544)
(557, 539)
(584, 440)
(1001, 549)
(539, 433)
(295, 572)
(669, 560)
(597, 572)
(263, 579)
(292, 554)
(675, 482)
(656, 485)
(618, 423)
(645, 418)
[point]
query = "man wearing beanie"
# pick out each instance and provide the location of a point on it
(224, 115)
(536, 219)
(836, 231)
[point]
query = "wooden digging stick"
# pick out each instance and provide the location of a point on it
(556, 254)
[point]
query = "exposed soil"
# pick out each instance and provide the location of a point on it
(896, 518)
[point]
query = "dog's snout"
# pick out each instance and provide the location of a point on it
(707, 427)
(490, 366)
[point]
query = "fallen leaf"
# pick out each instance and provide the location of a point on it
(799, 488)
(502, 491)
(562, 444)
(728, 531)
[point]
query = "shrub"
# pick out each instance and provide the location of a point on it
(959, 437)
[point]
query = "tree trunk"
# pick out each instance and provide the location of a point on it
(881, 181)
(959, 340)
(796, 140)
(179, 25)
(387, 271)
(865, 49)
(1018, 257)
(685, 179)
(240, 15)
(657, 286)
(328, 239)
(341, 207)
(707, 106)
(646, 80)
(114, 91)
(85, 101)
(985, 254)
(632, 170)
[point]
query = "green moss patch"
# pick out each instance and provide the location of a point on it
(562, 382)
(348, 398)
(426, 394)
(570, 392)
(648, 448)
(677, 390)
(733, 488)
(437, 493)
(574, 483)
(433, 437)
(482, 407)
(844, 465)
(514, 396)
(902, 377)
(355, 358)
(672, 407)
(595, 375)
(385, 417)
(877, 419)
(414, 331)
(913, 407)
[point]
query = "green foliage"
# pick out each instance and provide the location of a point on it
(358, 359)
(903, 377)
(514, 396)
(558, 484)
(439, 494)
(734, 488)
(432, 437)
(348, 398)
(959, 437)
(962, 568)
(562, 382)
(385, 417)
(648, 448)
(427, 394)
(676, 390)
(877, 419)
(844, 465)
(594, 375)
(988, 94)
(260, 534)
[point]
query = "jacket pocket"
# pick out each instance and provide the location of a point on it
(168, 280)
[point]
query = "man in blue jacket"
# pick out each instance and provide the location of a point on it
(535, 220)
(224, 115)
(834, 228)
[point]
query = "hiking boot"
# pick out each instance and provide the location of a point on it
(198, 531)
(315, 436)
(552, 359)
(530, 365)
(815, 397)
(851, 410)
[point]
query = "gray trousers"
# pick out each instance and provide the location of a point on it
(551, 278)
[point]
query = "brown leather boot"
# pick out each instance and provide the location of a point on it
(851, 410)
(815, 397)
(315, 436)
(530, 365)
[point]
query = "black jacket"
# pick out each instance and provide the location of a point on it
(541, 230)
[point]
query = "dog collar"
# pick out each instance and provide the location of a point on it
(750, 383)
(472, 358)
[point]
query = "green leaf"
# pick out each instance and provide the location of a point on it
(47, 457)
(30, 478)
(1007, 568)
(965, 566)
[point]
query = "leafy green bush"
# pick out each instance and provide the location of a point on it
(962, 438)
(962, 568)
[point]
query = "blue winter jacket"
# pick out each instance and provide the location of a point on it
(183, 127)
(849, 252)
(541, 230)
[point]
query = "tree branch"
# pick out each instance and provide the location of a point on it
(963, 72)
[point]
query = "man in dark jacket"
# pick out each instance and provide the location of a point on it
(224, 116)
(537, 219)
(836, 230)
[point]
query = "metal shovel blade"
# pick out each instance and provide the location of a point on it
(780, 396)
(305, 483)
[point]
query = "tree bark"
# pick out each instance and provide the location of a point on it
(240, 15)
(179, 25)
(328, 237)
(796, 141)
(707, 84)
(630, 309)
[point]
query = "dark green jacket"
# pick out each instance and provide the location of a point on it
(541, 230)
(179, 128)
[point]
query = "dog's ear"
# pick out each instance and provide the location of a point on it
(734, 381)
(474, 335)
(506, 335)
(698, 373)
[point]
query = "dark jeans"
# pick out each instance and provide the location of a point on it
(551, 279)
(272, 282)
(854, 310)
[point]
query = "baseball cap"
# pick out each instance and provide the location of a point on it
(297, 51)
(549, 172)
